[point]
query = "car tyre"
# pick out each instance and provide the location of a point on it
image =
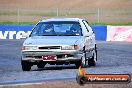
(83, 61)
(78, 64)
(92, 61)
(26, 66)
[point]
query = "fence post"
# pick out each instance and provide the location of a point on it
(57, 12)
(18, 15)
(98, 15)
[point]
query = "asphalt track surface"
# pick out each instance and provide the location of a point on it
(113, 58)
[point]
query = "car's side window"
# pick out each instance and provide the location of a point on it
(85, 25)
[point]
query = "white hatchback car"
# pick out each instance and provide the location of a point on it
(59, 41)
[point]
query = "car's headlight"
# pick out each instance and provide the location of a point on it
(72, 47)
(29, 48)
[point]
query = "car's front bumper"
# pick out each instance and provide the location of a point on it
(61, 55)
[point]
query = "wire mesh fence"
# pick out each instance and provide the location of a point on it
(92, 15)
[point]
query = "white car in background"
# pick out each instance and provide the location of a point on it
(59, 41)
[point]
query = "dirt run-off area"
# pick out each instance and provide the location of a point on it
(110, 11)
(65, 4)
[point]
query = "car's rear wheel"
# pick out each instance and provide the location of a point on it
(41, 65)
(91, 62)
(26, 66)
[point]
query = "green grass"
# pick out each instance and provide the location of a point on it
(51, 14)
(114, 24)
(17, 23)
(47, 14)
(76, 14)
(94, 23)
(9, 13)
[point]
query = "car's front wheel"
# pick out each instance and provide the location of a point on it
(78, 64)
(92, 61)
(26, 66)
(83, 61)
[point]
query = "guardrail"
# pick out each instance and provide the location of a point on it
(104, 33)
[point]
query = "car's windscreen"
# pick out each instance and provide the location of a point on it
(57, 28)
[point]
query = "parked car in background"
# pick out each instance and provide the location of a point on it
(59, 41)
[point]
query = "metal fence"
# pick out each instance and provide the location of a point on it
(92, 15)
